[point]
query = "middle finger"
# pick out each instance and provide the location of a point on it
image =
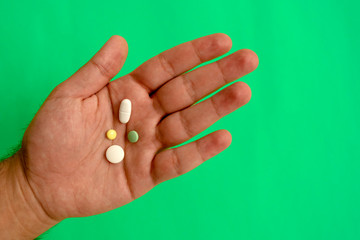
(188, 88)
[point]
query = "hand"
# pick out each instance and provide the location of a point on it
(63, 151)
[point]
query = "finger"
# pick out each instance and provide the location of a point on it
(167, 65)
(183, 125)
(100, 69)
(190, 87)
(177, 161)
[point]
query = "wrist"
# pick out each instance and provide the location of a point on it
(21, 214)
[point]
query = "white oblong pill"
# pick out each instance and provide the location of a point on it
(115, 154)
(125, 111)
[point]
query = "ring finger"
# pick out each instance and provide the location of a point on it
(185, 124)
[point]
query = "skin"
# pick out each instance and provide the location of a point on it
(61, 170)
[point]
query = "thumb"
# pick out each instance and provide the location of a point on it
(96, 73)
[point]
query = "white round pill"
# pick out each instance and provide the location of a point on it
(115, 154)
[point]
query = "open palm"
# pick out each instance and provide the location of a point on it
(64, 147)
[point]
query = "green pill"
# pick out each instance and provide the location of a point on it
(133, 136)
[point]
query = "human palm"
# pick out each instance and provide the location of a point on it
(64, 147)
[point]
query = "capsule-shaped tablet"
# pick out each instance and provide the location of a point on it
(125, 111)
(115, 154)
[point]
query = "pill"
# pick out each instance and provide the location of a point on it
(133, 136)
(111, 134)
(125, 111)
(115, 154)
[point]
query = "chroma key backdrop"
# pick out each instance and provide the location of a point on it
(292, 171)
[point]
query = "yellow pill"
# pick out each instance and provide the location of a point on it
(111, 134)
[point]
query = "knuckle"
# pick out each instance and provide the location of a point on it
(175, 160)
(166, 65)
(105, 68)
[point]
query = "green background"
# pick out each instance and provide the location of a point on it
(293, 169)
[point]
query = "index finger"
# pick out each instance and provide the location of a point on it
(156, 71)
